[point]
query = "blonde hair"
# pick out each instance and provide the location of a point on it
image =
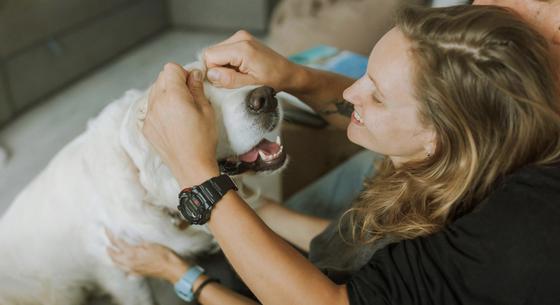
(484, 82)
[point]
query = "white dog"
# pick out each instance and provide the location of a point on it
(52, 239)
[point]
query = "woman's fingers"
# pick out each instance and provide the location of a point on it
(116, 256)
(173, 116)
(117, 243)
(229, 78)
(119, 259)
(121, 253)
(144, 259)
(111, 237)
(226, 65)
(231, 54)
(172, 78)
(196, 88)
(242, 60)
(174, 74)
(240, 35)
(237, 40)
(176, 81)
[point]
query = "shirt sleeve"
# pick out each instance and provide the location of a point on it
(498, 254)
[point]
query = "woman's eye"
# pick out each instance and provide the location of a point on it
(376, 100)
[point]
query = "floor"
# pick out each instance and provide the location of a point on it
(32, 140)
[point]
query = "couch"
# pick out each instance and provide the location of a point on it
(47, 44)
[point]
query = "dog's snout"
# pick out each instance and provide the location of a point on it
(262, 100)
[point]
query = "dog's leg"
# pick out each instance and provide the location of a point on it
(126, 290)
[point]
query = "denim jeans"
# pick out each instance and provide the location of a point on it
(333, 193)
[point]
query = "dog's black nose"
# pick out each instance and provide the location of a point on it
(262, 100)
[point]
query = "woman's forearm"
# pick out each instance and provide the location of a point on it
(296, 228)
(217, 294)
(274, 270)
(211, 294)
(322, 91)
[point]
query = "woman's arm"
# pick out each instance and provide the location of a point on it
(297, 228)
(242, 60)
(216, 294)
(153, 260)
(274, 270)
(322, 91)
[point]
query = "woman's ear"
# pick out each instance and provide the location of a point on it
(430, 143)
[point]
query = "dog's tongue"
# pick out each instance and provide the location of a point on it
(250, 156)
(267, 147)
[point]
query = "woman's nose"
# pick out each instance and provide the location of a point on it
(262, 99)
(349, 94)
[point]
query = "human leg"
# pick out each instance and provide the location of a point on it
(334, 192)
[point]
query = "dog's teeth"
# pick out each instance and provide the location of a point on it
(278, 140)
(281, 149)
(262, 155)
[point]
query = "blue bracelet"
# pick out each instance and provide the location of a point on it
(184, 286)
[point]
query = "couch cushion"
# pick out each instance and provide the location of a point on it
(47, 66)
(5, 109)
(24, 22)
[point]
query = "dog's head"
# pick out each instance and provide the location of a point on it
(247, 118)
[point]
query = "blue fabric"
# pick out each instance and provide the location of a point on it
(335, 191)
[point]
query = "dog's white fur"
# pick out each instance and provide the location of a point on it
(52, 239)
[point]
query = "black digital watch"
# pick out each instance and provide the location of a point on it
(196, 203)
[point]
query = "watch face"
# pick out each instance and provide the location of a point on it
(190, 206)
(196, 203)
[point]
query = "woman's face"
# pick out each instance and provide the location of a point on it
(386, 118)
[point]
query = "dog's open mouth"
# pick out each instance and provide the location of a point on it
(265, 156)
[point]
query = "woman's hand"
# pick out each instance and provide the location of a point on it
(180, 124)
(146, 259)
(242, 60)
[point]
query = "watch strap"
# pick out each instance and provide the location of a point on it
(217, 187)
(183, 287)
(201, 286)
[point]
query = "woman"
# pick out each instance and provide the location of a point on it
(463, 103)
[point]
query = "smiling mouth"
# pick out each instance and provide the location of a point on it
(357, 118)
(265, 156)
